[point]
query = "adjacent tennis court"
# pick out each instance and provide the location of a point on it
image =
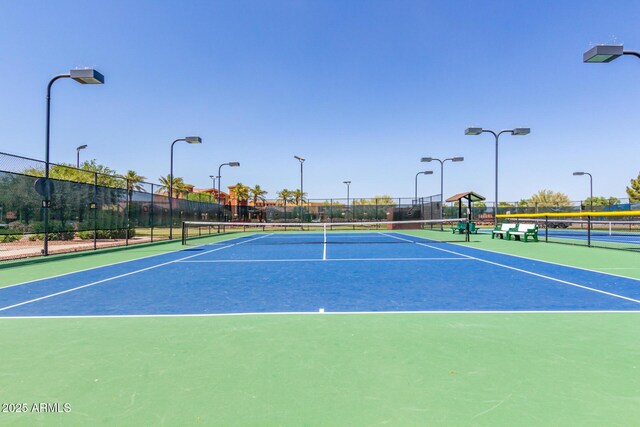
(324, 328)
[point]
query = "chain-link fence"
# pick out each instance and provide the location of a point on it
(348, 210)
(78, 210)
(487, 210)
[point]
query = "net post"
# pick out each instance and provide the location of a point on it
(546, 228)
(184, 233)
(589, 230)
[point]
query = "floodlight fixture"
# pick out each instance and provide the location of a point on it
(233, 165)
(348, 184)
(87, 76)
(473, 131)
(416, 184)
(301, 160)
(81, 147)
(496, 135)
(603, 53)
(590, 189)
(442, 161)
(83, 76)
(521, 131)
(189, 140)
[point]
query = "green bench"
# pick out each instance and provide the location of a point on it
(502, 230)
(524, 231)
(461, 228)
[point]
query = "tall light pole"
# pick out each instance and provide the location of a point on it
(514, 131)
(233, 165)
(416, 184)
(189, 140)
(442, 161)
(606, 53)
(213, 181)
(590, 186)
(301, 160)
(82, 147)
(82, 76)
(348, 184)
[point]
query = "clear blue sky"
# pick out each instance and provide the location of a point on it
(362, 89)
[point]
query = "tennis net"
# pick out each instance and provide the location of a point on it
(600, 229)
(197, 232)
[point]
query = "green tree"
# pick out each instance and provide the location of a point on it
(602, 201)
(549, 198)
(375, 200)
(257, 193)
(106, 176)
(634, 190)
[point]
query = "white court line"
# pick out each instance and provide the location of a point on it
(114, 263)
(331, 260)
(311, 313)
(324, 245)
(523, 271)
(125, 274)
(550, 262)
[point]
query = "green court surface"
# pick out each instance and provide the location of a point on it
(443, 369)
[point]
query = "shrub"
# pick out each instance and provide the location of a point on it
(118, 233)
(8, 238)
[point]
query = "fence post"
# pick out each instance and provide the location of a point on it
(95, 210)
(151, 212)
(129, 197)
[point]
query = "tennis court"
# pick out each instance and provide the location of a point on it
(311, 272)
(310, 328)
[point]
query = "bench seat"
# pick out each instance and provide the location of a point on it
(503, 230)
(523, 232)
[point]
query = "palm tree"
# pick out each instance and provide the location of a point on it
(285, 196)
(256, 194)
(134, 180)
(242, 192)
(178, 184)
(298, 196)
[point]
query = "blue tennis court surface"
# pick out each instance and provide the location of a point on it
(351, 272)
(631, 237)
